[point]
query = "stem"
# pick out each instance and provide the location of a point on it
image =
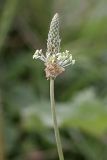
(56, 130)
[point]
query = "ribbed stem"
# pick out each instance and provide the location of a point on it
(56, 130)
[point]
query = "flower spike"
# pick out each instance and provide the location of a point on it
(55, 61)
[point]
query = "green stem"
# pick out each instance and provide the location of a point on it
(56, 130)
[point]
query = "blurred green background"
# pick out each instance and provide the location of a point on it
(81, 92)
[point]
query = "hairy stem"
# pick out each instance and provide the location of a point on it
(56, 130)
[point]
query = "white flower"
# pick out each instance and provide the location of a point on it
(39, 54)
(62, 59)
(55, 61)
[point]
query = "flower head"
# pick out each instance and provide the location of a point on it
(55, 61)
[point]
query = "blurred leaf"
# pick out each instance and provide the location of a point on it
(85, 112)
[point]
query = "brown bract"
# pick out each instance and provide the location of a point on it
(52, 70)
